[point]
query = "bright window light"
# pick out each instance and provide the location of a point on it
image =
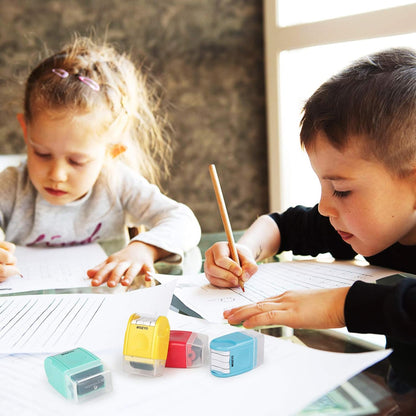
(294, 12)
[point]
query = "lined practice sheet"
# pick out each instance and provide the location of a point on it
(46, 321)
(271, 279)
(53, 267)
(53, 323)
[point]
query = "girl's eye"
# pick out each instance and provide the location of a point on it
(42, 155)
(341, 194)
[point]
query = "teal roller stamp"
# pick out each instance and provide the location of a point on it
(77, 374)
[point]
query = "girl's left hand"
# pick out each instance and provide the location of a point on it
(318, 309)
(124, 265)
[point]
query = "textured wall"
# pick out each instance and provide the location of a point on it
(207, 55)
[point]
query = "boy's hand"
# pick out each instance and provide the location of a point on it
(318, 309)
(125, 265)
(222, 271)
(7, 260)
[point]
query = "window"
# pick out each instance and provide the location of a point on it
(304, 46)
(294, 12)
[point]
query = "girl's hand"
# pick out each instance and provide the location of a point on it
(222, 271)
(318, 309)
(7, 260)
(125, 265)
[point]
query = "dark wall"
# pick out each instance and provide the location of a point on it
(207, 55)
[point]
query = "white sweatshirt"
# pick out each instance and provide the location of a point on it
(101, 215)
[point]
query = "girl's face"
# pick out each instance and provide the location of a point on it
(64, 155)
(369, 207)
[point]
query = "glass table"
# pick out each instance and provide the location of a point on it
(371, 382)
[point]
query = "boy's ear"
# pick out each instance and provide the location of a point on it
(22, 122)
(116, 149)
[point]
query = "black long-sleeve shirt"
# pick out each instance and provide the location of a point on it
(369, 308)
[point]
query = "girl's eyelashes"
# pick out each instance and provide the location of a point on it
(72, 162)
(42, 155)
(341, 194)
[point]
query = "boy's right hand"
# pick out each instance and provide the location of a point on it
(222, 271)
(7, 260)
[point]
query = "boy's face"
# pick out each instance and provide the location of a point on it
(369, 207)
(64, 155)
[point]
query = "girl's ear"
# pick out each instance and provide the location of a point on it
(116, 149)
(413, 181)
(22, 122)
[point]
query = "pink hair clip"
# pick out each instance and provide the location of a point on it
(87, 81)
(90, 82)
(60, 72)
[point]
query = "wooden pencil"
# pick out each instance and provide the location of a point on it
(224, 216)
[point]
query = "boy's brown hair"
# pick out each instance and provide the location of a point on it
(374, 101)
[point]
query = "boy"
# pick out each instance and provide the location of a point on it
(359, 130)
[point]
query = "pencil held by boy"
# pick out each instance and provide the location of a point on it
(96, 149)
(359, 131)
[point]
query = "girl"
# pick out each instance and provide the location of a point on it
(91, 131)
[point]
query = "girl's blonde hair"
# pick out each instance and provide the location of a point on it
(126, 98)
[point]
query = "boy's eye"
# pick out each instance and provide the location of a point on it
(341, 194)
(76, 162)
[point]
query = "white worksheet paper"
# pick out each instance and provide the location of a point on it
(271, 279)
(291, 377)
(53, 267)
(54, 323)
